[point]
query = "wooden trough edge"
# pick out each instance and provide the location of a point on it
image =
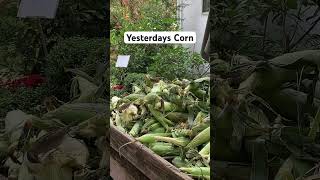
(150, 164)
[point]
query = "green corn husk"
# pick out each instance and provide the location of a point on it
(154, 126)
(158, 87)
(148, 122)
(87, 90)
(178, 162)
(196, 171)
(201, 138)
(164, 149)
(174, 89)
(180, 141)
(175, 99)
(136, 128)
(133, 97)
(199, 163)
(199, 127)
(205, 150)
(200, 118)
(182, 133)
(68, 113)
(167, 107)
(160, 118)
(45, 124)
(159, 130)
(177, 117)
(201, 122)
(150, 138)
(94, 127)
(151, 98)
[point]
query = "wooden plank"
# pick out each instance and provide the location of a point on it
(149, 163)
(121, 169)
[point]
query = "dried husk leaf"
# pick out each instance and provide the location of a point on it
(15, 121)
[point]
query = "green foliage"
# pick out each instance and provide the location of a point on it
(248, 27)
(25, 99)
(134, 79)
(11, 54)
(166, 61)
(163, 19)
(128, 81)
(75, 52)
(74, 18)
(9, 29)
(175, 62)
(85, 17)
(8, 8)
(151, 15)
(21, 47)
(6, 102)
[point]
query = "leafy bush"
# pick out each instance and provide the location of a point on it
(160, 60)
(75, 52)
(128, 81)
(9, 29)
(133, 79)
(9, 8)
(175, 62)
(141, 17)
(6, 102)
(11, 43)
(24, 99)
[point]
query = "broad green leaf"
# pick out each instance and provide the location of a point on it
(296, 59)
(285, 171)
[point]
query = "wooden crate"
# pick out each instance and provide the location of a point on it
(136, 161)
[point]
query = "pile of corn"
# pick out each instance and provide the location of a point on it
(66, 142)
(170, 118)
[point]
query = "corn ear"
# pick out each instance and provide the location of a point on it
(177, 117)
(160, 118)
(201, 138)
(68, 113)
(180, 141)
(148, 122)
(150, 138)
(164, 149)
(205, 150)
(178, 162)
(136, 128)
(159, 130)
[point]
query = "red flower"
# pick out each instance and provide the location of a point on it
(32, 80)
(118, 87)
(27, 81)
